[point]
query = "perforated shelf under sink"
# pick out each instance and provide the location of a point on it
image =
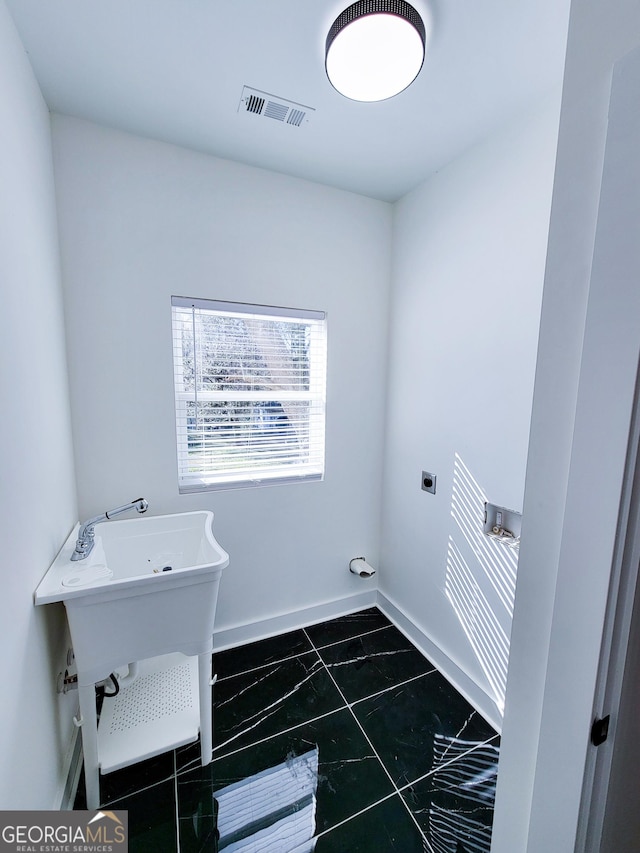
(157, 712)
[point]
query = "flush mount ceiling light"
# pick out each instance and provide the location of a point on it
(375, 49)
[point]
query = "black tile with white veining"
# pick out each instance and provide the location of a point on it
(404, 722)
(328, 761)
(151, 817)
(373, 662)
(293, 769)
(454, 804)
(385, 828)
(121, 783)
(345, 627)
(198, 816)
(268, 700)
(260, 653)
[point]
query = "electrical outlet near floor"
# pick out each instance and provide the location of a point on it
(428, 482)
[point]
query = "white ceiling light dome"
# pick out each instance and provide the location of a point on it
(375, 49)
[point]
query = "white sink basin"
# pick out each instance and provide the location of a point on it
(132, 552)
(149, 587)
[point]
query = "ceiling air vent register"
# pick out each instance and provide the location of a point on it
(271, 106)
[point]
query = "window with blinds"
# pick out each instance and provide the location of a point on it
(250, 393)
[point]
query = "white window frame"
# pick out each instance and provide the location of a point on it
(302, 461)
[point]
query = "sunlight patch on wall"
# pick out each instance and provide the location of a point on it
(499, 563)
(488, 639)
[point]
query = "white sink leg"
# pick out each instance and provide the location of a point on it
(89, 731)
(206, 726)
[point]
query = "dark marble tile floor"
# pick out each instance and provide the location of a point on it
(338, 738)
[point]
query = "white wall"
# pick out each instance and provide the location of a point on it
(37, 496)
(469, 255)
(585, 380)
(141, 221)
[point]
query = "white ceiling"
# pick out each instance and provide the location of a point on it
(174, 70)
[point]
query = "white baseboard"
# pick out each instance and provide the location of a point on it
(464, 684)
(237, 635)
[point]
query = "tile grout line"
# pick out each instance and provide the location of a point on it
(275, 706)
(448, 763)
(112, 801)
(189, 767)
(393, 687)
(346, 707)
(276, 662)
(361, 812)
(313, 648)
(366, 736)
(345, 639)
(300, 654)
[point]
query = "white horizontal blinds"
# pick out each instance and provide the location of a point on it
(250, 393)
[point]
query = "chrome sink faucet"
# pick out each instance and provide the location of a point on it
(85, 540)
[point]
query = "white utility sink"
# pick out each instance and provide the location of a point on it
(122, 606)
(148, 588)
(134, 550)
